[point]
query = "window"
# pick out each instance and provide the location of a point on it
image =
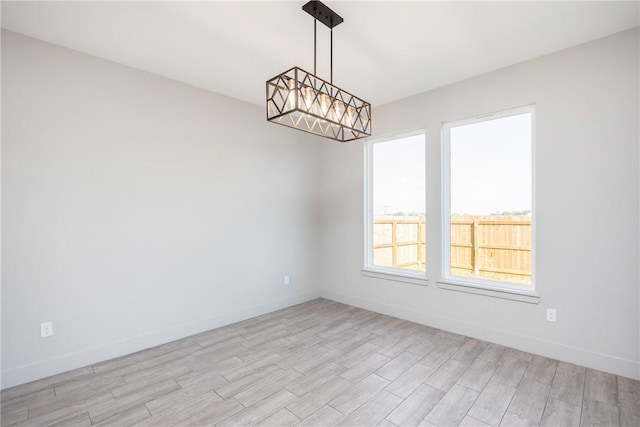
(396, 205)
(488, 201)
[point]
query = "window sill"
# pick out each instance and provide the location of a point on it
(396, 277)
(510, 294)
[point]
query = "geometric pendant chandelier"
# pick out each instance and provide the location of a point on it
(301, 100)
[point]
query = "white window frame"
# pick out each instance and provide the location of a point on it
(476, 285)
(369, 269)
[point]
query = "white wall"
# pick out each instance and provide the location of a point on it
(587, 188)
(137, 210)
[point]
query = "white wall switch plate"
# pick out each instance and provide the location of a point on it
(287, 280)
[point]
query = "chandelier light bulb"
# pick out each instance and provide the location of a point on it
(308, 97)
(324, 104)
(291, 96)
(338, 110)
(351, 112)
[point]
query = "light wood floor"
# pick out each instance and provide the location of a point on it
(324, 363)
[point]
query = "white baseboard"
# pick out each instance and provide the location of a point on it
(578, 356)
(36, 371)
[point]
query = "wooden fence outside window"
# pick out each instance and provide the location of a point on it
(480, 246)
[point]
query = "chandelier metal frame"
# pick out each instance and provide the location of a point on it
(302, 100)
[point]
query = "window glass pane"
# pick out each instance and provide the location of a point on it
(399, 203)
(491, 200)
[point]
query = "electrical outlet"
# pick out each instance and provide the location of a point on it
(287, 280)
(46, 329)
(551, 314)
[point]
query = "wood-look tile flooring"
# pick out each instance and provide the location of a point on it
(322, 363)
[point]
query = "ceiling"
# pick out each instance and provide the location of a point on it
(384, 51)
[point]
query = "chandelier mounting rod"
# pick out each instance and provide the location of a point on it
(320, 12)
